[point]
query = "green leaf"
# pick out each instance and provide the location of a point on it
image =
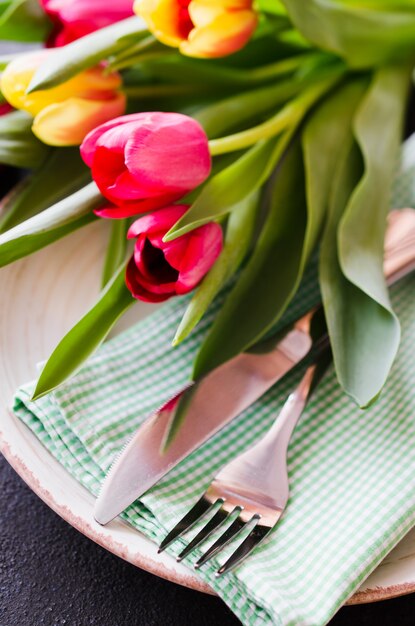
(220, 116)
(85, 337)
(271, 275)
(117, 248)
(132, 55)
(323, 138)
(225, 114)
(62, 173)
(60, 219)
(86, 52)
(18, 145)
(364, 34)
(372, 332)
(168, 67)
(23, 20)
(228, 188)
(183, 404)
(276, 7)
(343, 303)
(298, 204)
(239, 234)
(289, 115)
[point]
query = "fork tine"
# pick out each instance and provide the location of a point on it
(224, 539)
(257, 534)
(197, 511)
(207, 530)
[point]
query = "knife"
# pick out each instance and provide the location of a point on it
(207, 405)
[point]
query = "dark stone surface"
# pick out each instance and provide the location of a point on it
(51, 575)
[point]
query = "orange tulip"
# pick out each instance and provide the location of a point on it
(65, 114)
(200, 28)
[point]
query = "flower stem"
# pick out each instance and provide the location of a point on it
(219, 116)
(160, 91)
(287, 116)
(279, 68)
(134, 54)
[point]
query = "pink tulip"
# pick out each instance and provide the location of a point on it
(159, 270)
(76, 18)
(5, 108)
(145, 161)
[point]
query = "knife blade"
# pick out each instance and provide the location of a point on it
(207, 405)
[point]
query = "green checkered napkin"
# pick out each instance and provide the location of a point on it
(352, 472)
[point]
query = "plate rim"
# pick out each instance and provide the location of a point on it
(365, 596)
(17, 440)
(92, 530)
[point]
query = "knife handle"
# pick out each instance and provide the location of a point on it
(399, 245)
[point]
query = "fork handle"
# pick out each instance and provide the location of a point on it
(279, 435)
(264, 466)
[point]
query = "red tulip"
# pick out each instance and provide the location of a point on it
(159, 270)
(145, 161)
(76, 18)
(5, 108)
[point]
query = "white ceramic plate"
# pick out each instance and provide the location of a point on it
(41, 298)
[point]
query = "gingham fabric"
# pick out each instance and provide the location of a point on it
(352, 472)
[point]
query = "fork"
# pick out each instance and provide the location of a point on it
(252, 489)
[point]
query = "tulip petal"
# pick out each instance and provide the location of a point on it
(205, 245)
(131, 209)
(173, 139)
(89, 144)
(139, 259)
(67, 123)
(163, 18)
(159, 222)
(159, 269)
(174, 251)
(203, 12)
(126, 189)
(109, 168)
(76, 18)
(92, 84)
(16, 78)
(107, 165)
(224, 35)
(128, 158)
(117, 184)
(155, 274)
(137, 290)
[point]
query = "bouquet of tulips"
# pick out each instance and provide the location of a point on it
(231, 141)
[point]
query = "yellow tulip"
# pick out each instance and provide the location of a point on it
(65, 114)
(200, 28)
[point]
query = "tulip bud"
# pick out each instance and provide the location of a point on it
(63, 115)
(159, 270)
(145, 161)
(200, 28)
(76, 18)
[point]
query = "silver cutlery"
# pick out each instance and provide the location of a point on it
(203, 408)
(207, 405)
(252, 489)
